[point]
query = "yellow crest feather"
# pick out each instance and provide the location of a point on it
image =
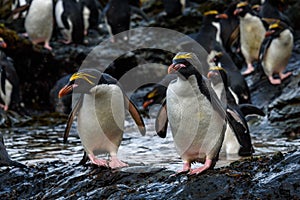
(84, 76)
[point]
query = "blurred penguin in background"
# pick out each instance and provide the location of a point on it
(39, 22)
(117, 17)
(69, 19)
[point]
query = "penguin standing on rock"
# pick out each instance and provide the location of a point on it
(39, 22)
(252, 33)
(117, 17)
(232, 144)
(276, 51)
(90, 15)
(195, 114)
(101, 114)
(69, 19)
(9, 81)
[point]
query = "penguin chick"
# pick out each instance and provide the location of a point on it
(195, 114)
(69, 19)
(101, 114)
(252, 33)
(39, 22)
(5, 158)
(276, 51)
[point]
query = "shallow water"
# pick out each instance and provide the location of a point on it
(33, 145)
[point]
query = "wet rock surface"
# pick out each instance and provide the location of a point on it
(52, 172)
(273, 176)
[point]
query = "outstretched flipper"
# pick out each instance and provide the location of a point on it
(71, 117)
(135, 115)
(161, 123)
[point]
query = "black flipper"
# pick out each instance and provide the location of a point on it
(135, 115)
(71, 117)
(240, 127)
(249, 109)
(161, 122)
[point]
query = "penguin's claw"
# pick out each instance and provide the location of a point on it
(284, 76)
(274, 81)
(98, 161)
(116, 163)
(199, 170)
(249, 70)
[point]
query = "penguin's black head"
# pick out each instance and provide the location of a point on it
(242, 9)
(182, 65)
(213, 16)
(82, 81)
(276, 28)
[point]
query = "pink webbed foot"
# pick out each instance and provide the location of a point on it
(186, 168)
(249, 70)
(97, 161)
(284, 76)
(4, 107)
(274, 81)
(47, 46)
(116, 163)
(199, 170)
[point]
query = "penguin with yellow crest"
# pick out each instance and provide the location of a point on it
(276, 51)
(101, 115)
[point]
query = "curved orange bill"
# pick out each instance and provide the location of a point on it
(268, 33)
(174, 68)
(237, 11)
(65, 90)
(222, 16)
(147, 103)
(211, 74)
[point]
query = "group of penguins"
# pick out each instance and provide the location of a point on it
(205, 104)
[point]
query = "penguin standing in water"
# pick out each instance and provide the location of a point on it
(252, 33)
(101, 114)
(69, 19)
(9, 81)
(117, 17)
(39, 22)
(276, 51)
(195, 114)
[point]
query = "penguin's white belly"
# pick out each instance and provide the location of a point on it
(39, 21)
(278, 53)
(196, 127)
(230, 143)
(101, 120)
(252, 35)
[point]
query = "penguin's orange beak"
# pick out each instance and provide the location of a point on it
(147, 103)
(222, 16)
(237, 11)
(175, 67)
(2, 43)
(65, 90)
(269, 33)
(211, 74)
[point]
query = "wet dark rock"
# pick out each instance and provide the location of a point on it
(273, 176)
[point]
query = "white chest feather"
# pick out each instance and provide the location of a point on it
(218, 36)
(8, 90)
(101, 119)
(192, 120)
(278, 53)
(252, 35)
(39, 21)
